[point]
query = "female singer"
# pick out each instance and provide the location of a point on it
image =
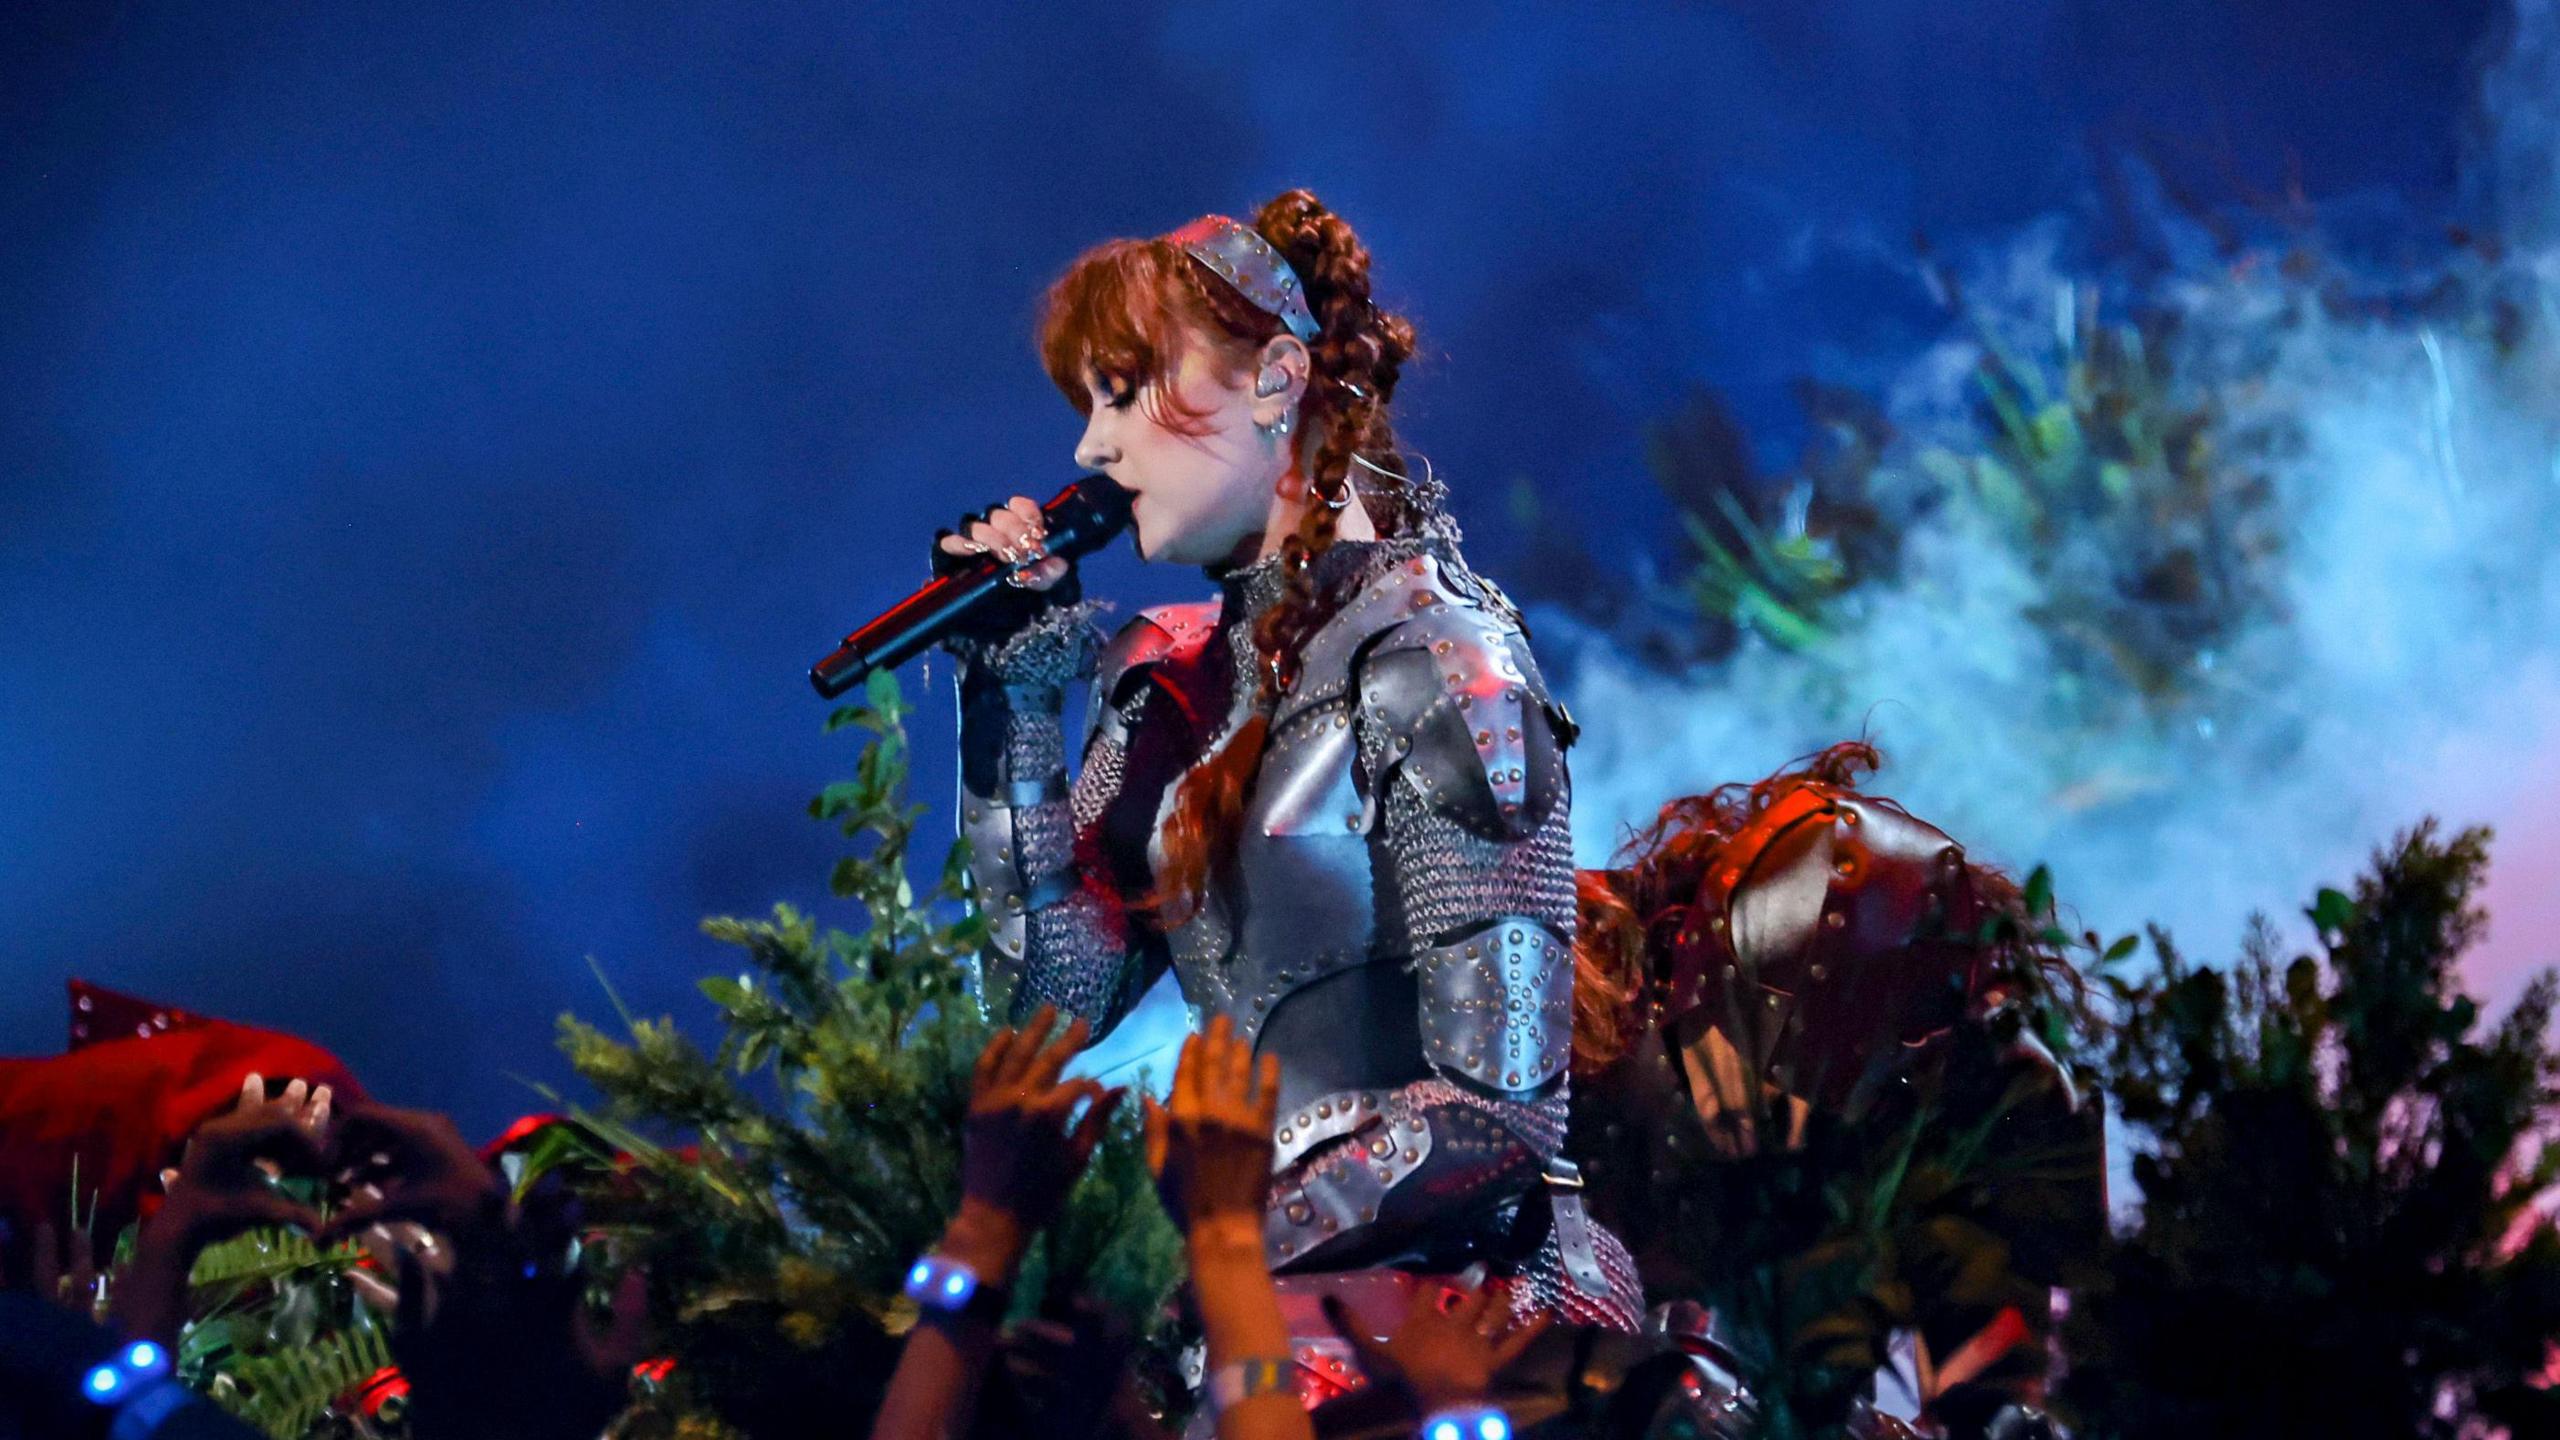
(1333, 797)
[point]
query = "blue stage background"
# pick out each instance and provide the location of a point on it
(437, 439)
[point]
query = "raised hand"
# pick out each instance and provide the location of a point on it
(1014, 533)
(224, 1183)
(1210, 1143)
(1451, 1349)
(1021, 1149)
(1018, 1153)
(413, 1165)
(485, 1315)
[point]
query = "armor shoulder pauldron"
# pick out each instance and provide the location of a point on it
(1161, 634)
(1468, 718)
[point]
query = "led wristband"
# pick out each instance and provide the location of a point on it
(136, 1384)
(941, 1285)
(1481, 1422)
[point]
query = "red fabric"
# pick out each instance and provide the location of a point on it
(123, 1105)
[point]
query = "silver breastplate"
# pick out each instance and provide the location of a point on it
(1292, 933)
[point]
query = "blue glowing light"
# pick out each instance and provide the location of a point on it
(1494, 1427)
(1445, 1430)
(142, 1355)
(919, 1275)
(953, 1285)
(103, 1382)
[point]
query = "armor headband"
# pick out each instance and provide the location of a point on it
(1239, 255)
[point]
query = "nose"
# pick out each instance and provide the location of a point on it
(1095, 450)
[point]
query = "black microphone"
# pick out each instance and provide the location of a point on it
(1082, 519)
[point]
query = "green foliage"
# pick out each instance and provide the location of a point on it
(1954, 1181)
(825, 1126)
(2338, 1164)
(288, 1390)
(1773, 555)
(2149, 542)
(278, 1332)
(2124, 492)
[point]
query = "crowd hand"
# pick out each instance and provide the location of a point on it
(225, 1183)
(485, 1330)
(1019, 1151)
(1451, 1349)
(413, 1188)
(1021, 1148)
(413, 1165)
(1209, 1144)
(1015, 534)
(225, 1180)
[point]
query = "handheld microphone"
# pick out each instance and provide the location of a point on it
(1082, 519)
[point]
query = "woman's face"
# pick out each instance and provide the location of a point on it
(1201, 498)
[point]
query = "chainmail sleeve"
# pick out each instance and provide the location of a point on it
(1057, 929)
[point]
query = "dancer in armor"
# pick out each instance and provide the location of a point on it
(1774, 955)
(1333, 798)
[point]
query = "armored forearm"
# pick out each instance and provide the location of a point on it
(1056, 934)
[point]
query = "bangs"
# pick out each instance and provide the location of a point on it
(1114, 311)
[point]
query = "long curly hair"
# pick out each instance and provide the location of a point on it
(1627, 917)
(1129, 309)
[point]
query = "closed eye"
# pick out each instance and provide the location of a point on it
(1117, 391)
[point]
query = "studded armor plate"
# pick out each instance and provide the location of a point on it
(1497, 1006)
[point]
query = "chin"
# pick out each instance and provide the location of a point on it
(1162, 545)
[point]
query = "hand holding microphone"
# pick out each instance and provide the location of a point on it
(982, 568)
(1017, 534)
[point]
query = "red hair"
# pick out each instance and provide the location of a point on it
(1627, 918)
(1129, 309)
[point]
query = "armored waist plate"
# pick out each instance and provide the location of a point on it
(1353, 1029)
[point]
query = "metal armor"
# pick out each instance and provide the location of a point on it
(1397, 922)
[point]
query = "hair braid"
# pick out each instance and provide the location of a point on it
(1358, 355)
